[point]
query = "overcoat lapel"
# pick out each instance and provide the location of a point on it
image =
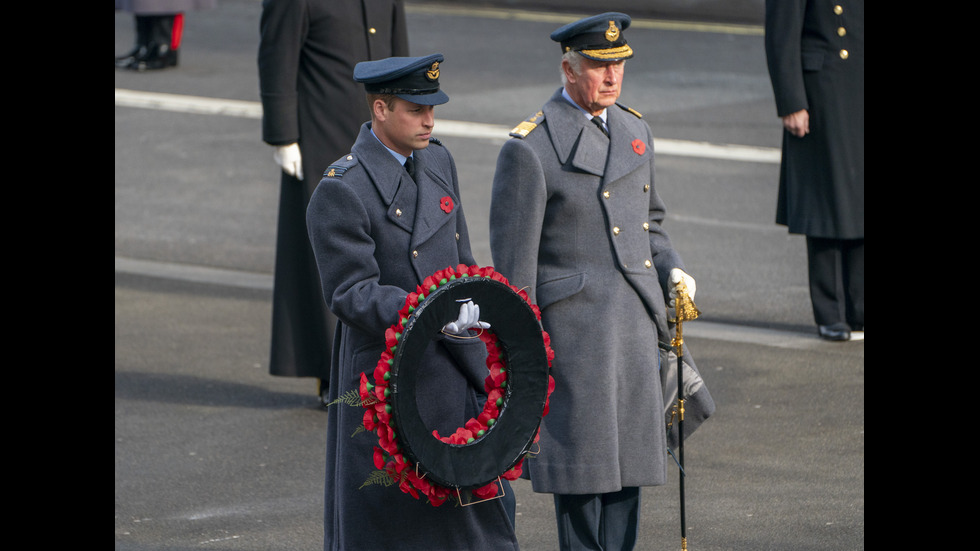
(430, 215)
(627, 145)
(573, 138)
(394, 185)
(579, 145)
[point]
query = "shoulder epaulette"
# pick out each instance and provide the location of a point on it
(340, 166)
(630, 110)
(525, 128)
(434, 140)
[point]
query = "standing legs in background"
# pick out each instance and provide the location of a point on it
(157, 42)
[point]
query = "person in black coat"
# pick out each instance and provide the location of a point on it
(312, 111)
(815, 54)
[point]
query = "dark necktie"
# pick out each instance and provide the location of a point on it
(410, 167)
(598, 122)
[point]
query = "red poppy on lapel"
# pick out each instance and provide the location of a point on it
(446, 203)
(639, 146)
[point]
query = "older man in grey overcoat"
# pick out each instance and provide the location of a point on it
(576, 220)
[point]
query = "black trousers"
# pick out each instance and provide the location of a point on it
(160, 30)
(836, 270)
(606, 522)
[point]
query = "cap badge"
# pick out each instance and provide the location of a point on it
(433, 72)
(612, 33)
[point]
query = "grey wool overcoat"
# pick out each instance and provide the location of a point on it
(575, 218)
(376, 236)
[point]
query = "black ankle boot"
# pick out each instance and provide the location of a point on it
(125, 59)
(149, 58)
(157, 40)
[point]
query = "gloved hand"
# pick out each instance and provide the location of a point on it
(288, 157)
(676, 276)
(469, 318)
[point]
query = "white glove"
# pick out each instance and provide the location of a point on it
(469, 317)
(288, 157)
(676, 276)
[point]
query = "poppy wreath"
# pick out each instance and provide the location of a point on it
(487, 447)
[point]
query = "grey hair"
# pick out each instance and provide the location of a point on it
(574, 60)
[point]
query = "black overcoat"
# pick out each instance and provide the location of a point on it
(306, 58)
(377, 236)
(815, 53)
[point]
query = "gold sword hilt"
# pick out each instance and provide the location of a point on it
(684, 310)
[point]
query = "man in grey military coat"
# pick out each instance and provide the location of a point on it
(576, 220)
(379, 227)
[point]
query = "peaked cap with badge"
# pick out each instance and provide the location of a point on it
(599, 37)
(414, 79)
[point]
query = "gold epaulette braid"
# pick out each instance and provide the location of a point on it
(525, 128)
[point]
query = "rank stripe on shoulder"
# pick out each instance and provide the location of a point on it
(630, 110)
(525, 128)
(337, 169)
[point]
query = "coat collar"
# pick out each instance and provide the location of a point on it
(381, 167)
(395, 187)
(578, 143)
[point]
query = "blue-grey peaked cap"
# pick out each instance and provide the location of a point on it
(599, 37)
(414, 79)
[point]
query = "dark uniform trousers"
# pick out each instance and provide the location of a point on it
(836, 270)
(588, 521)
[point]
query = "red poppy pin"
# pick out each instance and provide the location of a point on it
(639, 146)
(446, 203)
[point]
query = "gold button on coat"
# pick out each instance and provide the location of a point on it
(647, 263)
(372, 30)
(615, 230)
(605, 194)
(646, 226)
(838, 9)
(398, 212)
(415, 254)
(843, 54)
(841, 31)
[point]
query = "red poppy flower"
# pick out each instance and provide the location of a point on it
(446, 203)
(639, 146)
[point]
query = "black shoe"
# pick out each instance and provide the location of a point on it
(148, 58)
(125, 59)
(835, 332)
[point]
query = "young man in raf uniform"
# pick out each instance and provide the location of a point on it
(379, 227)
